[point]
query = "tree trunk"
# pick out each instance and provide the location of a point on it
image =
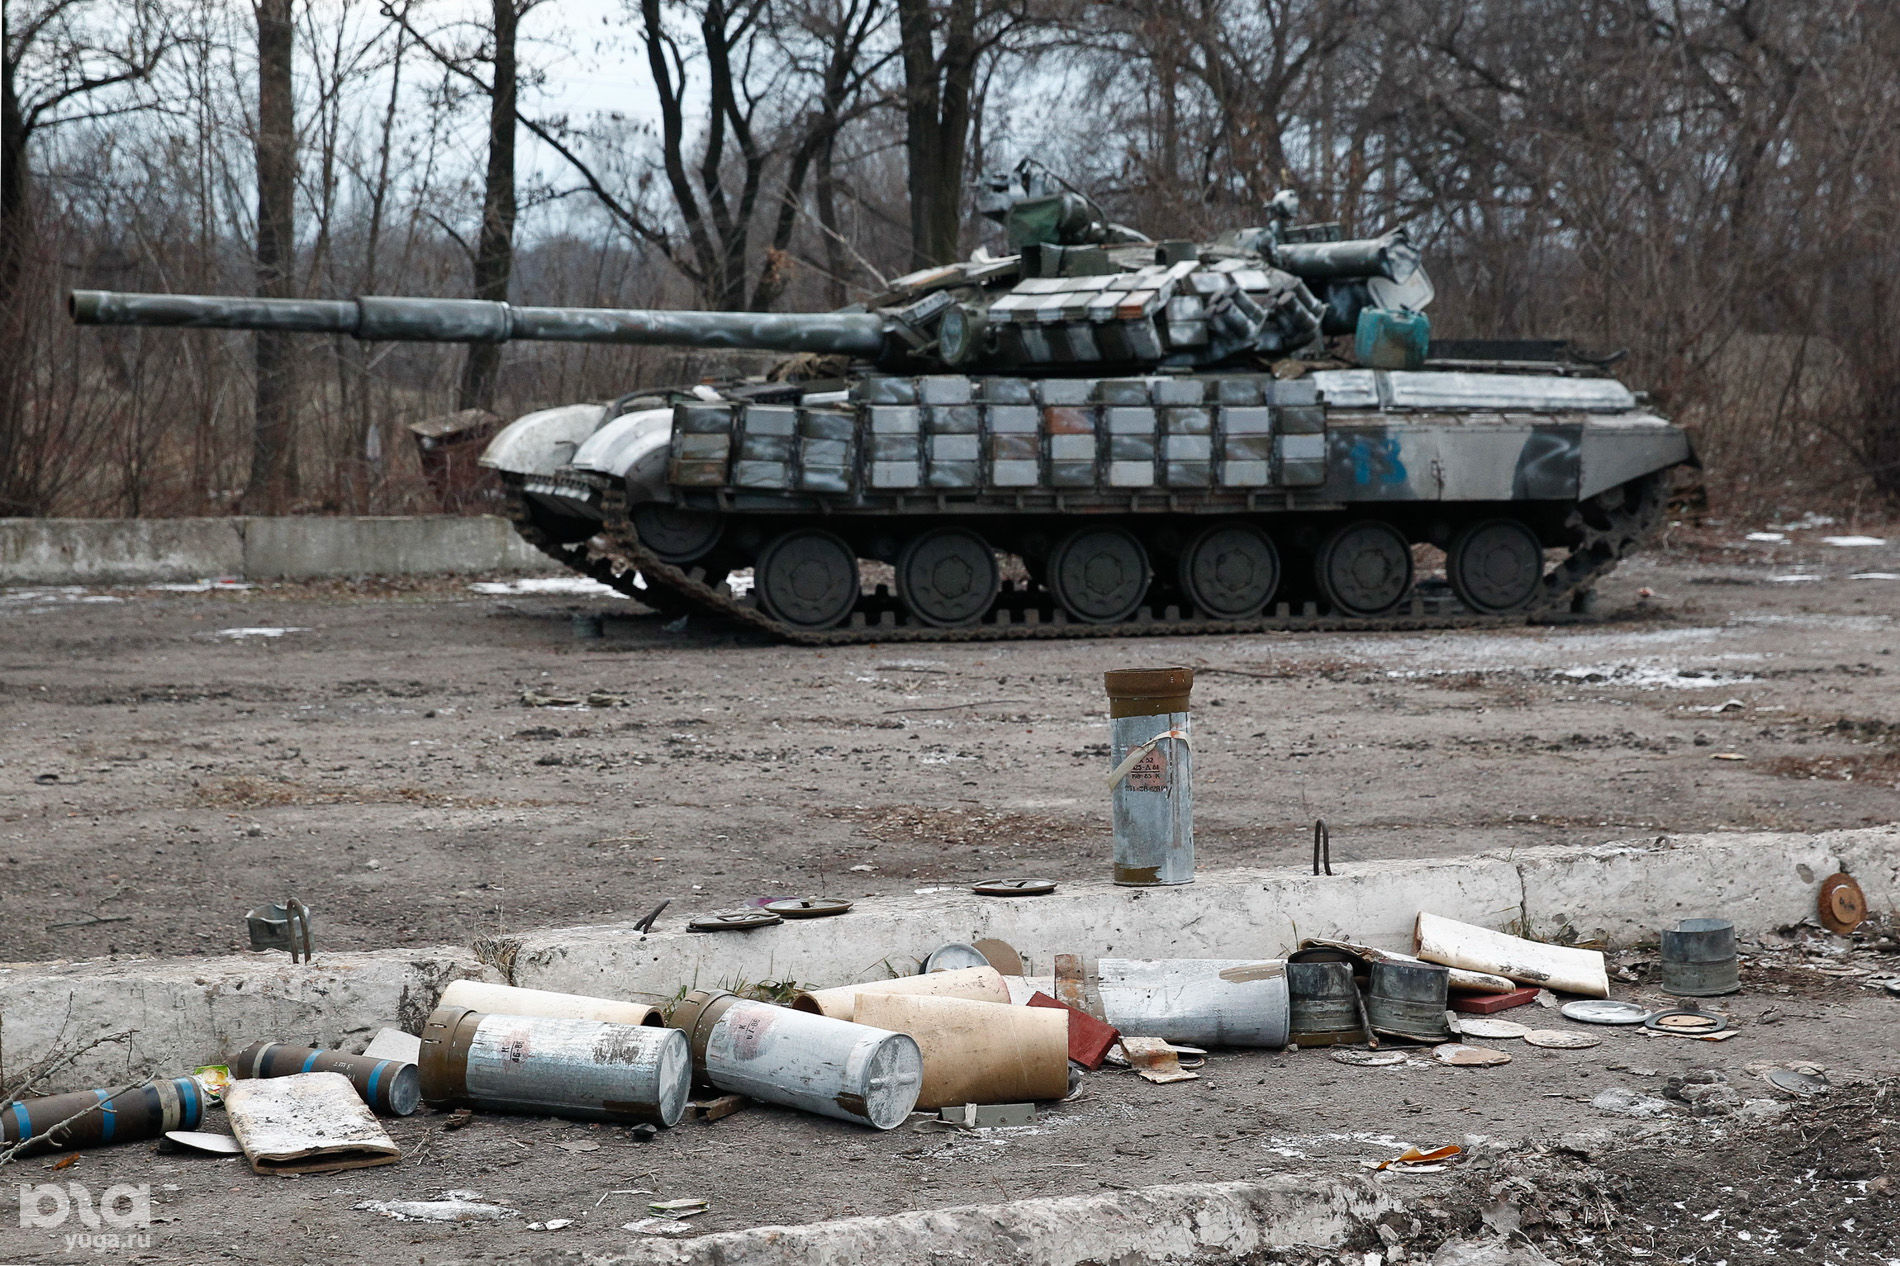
(16, 231)
(273, 479)
(937, 103)
(495, 249)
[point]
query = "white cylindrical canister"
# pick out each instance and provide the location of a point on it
(1201, 1001)
(780, 1055)
(591, 1069)
(1151, 775)
(508, 1000)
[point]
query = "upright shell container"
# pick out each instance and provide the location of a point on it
(591, 1069)
(778, 1055)
(1152, 777)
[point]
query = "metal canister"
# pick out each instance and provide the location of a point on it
(1408, 1000)
(595, 1070)
(1203, 1001)
(1322, 1002)
(1151, 778)
(99, 1116)
(835, 1068)
(1698, 959)
(390, 1086)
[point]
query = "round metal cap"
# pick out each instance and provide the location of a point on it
(695, 1015)
(1843, 906)
(733, 921)
(1014, 887)
(1369, 1059)
(1001, 955)
(1685, 1021)
(1147, 692)
(951, 957)
(1562, 1039)
(1604, 1011)
(807, 907)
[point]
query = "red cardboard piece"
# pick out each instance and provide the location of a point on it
(1486, 1003)
(1089, 1038)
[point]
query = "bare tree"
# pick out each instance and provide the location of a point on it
(273, 481)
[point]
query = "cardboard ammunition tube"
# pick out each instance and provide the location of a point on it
(1440, 940)
(978, 1052)
(389, 1086)
(144, 1112)
(800, 1060)
(594, 1070)
(979, 984)
(508, 1000)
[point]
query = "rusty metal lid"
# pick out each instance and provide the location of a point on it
(1014, 887)
(1143, 692)
(1843, 906)
(733, 921)
(695, 1015)
(807, 907)
(1686, 1022)
(1001, 955)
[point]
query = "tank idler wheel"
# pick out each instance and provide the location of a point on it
(1364, 568)
(1231, 571)
(1099, 574)
(948, 577)
(1495, 565)
(676, 535)
(807, 578)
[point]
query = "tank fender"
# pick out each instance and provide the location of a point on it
(542, 442)
(1621, 448)
(633, 447)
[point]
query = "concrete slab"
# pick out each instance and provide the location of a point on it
(118, 551)
(183, 1013)
(308, 547)
(1187, 1222)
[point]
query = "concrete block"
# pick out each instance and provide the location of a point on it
(1188, 1222)
(1623, 893)
(184, 1012)
(309, 547)
(118, 551)
(1872, 857)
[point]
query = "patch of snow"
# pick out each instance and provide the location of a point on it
(215, 584)
(1852, 542)
(1808, 520)
(260, 631)
(1649, 675)
(454, 1206)
(580, 585)
(1794, 578)
(1875, 575)
(1768, 538)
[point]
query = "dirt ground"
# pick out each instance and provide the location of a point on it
(165, 766)
(1529, 1125)
(424, 764)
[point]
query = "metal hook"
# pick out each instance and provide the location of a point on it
(1322, 846)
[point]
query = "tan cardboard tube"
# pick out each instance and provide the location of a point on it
(977, 1052)
(1454, 944)
(979, 984)
(508, 1000)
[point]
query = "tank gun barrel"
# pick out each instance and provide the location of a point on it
(374, 318)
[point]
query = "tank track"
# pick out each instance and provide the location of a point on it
(1604, 531)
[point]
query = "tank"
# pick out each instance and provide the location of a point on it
(1093, 433)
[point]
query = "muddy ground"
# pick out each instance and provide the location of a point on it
(1249, 1114)
(165, 765)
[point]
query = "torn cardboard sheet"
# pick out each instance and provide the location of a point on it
(310, 1123)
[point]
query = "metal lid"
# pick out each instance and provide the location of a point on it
(1843, 906)
(1147, 692)
(733, 921)
(807, 907)
(1604, 1011)
(954, 955)
(1001, 955)
(1014, 887)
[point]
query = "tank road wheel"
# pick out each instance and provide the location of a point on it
(1495, 565)
(1099, 575)
(1231, 570)
(807, 578)
(1364, 568)
(677, 536)
(948, 577)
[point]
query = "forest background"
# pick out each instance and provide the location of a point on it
(1713, 185)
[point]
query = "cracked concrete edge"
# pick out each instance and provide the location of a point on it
(1186, 1223)
(195, 1011)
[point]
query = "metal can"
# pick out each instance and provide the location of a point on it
(390, 1086)
(1203, 1001)
(595, 1070)
(1322, 1002)
(1151, 778)
(99, 1116)
(778, 1055)
(1409, 1000)
(1698, 959)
